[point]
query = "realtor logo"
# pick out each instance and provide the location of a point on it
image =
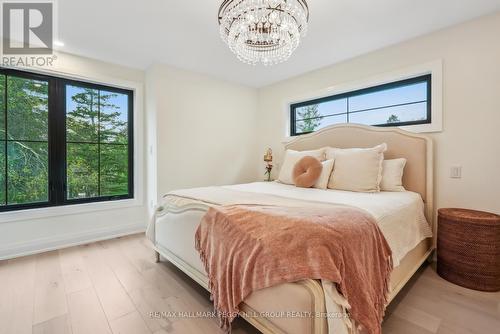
(27, 28)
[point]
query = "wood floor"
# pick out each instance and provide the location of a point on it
(113, 286)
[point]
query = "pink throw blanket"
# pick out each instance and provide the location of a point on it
(248, 248)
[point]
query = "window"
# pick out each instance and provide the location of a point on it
(401, 103)
(63, 142)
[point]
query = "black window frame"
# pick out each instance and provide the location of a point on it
(427, 78)
(57, 171)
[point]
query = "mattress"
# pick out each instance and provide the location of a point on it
(400, 216)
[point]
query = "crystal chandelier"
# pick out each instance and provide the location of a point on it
(263, 31)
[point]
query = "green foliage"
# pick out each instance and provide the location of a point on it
(93, 118)
(92, 114)
(27, 172)
(98, 163)
(82, 170)
(2, 138)
(114, 167)
(27, 148)
(310, 118)
(27, 105)
(393, 119)
(82, 115)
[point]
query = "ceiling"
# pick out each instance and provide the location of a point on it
(184, 33)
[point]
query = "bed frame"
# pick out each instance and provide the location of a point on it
(418, 177)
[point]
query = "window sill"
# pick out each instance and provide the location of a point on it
(66, 210)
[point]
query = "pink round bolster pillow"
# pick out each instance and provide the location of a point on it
(306, 172)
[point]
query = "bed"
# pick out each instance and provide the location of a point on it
(405, 218)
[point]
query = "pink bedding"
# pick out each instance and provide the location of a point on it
(248, 248)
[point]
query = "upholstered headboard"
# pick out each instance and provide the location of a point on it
(417, 149)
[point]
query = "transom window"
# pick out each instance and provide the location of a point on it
(401, 103)
(63, 141)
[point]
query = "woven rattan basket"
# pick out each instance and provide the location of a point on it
(469, 248)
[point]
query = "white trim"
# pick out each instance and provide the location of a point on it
(435, 68)
(68, 240)
(138, 200)
(66, 210)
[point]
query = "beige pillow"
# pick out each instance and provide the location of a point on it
(323, 179)
(330, 152)
(392, 175)
(358, 169)
(291, 158)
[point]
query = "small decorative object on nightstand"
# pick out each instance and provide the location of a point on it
(268, 158)
(468, 248)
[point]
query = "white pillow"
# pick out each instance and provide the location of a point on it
(330, 152)
(392, 175)
(291, 158)
(322, 182)
(358, 169)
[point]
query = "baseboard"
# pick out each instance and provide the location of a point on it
(68, 240)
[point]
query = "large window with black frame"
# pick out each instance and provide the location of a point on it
(401, 103)
(63, 141)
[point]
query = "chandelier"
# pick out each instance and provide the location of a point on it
(263, 31)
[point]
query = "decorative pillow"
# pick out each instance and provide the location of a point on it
(392, 175)
(291, 158)
(358, 169)
(330, 152)
(306, 172)
(323, 179)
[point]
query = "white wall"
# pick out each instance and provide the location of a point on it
(204, 129)
(471, 95)
(29, 231)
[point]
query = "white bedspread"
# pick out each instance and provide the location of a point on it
(400, 215)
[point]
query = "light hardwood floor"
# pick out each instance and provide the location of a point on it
(112, 286)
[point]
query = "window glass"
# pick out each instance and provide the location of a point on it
(409, 113)
(62, 142)
(27, 109)
(400, 103)
(114, 170)
(113, 117)
(24, 146)
(319, 123)
(27, 172)
(82, 114)
(97, 157)
(2, 106)
(2, 140)
(82, 170)
(2, 174)
(389, 97)
(322, 109)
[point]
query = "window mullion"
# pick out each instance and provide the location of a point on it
(99, 143)
(57, 147)
(348, 109)
(5, 140)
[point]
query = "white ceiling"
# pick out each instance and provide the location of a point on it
(184, 33)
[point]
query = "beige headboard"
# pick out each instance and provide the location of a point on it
(417, 149)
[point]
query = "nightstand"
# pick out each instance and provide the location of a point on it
(468, 250)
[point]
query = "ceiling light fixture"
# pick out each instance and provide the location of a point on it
(263, 31)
